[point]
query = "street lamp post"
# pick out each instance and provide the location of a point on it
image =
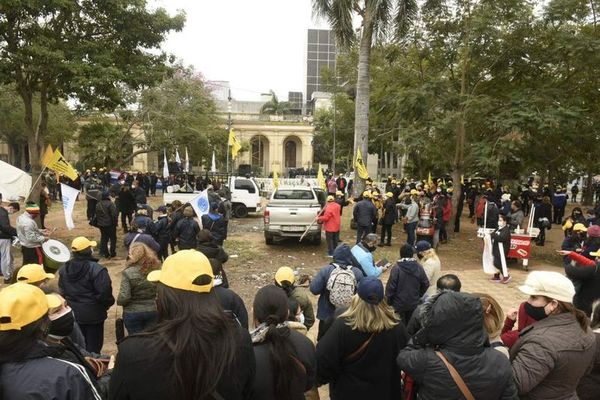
(228, 126)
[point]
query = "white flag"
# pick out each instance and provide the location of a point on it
(177, 158)
(187, 161)
(201, 205)
(69, 195)
(165, 167)
(213, 167)
(488, 258)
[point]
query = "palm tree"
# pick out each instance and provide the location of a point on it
(274, 106)
(378, 18)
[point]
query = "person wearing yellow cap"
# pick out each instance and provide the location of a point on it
(576, 240)
(88, 289)
(285, 278)
(205, 348)
(29, 368)
(364, 213)
(331, 219)
(388, 219)
(575, 217)
(33, 274)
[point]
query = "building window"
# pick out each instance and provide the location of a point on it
(290, 154)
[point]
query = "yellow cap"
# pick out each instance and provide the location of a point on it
(285, 274)
(389, 194)
(32, 273)
(186, 270)
(21, 304)
(450, 190)
(568, 225)
(82, 243)
(330, 198)
(579, 227)
(366, 194)
(414, 192)
(339, 193)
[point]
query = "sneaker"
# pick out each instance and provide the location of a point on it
(496, 278)
(506, 279)
(380, 245)
(388, 244)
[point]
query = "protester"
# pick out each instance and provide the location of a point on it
(542, 218)
(107, 219)
(363, 254)
(144, 222)
(363, 213)
(231, 302)
(321, 285)
(34, 274)
(331, 221)
(585, 275)
(431, 264)
(390, 215)
(589, 385)
(552, 354)
(186, 230)
(45, 203)
(7, 232)
(406, 285)
(576, 217)
(139, 194)
(493, 321)
(162, 232)
(285, 359)
(509, 336)
(136, 235)
(356, 355)
(575, 239)
(340, 198)
(87, 287)
(127, 206)
(559, 202)
(411, 218)
(207, 352)
(453, 335)
(501, 236)
(285, 279)
(30, 236)
(137, 295)
(215, 223)
(516, 215)
(27, 371)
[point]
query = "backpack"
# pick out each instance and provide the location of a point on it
(341, 285)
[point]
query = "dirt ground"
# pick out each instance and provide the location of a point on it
(252, 263)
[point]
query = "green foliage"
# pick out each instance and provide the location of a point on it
(103, 142)
(274, 106)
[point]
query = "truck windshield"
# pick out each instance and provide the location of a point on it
(292, 194)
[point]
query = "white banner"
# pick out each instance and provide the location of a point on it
(201, 205)
(69, 195)
(488, 258)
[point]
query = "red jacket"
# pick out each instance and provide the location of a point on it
(331, 219)
(510, 336)
(447, 211)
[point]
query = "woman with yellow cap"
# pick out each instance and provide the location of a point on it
(286, 279)
(27, 370)
(195, 351)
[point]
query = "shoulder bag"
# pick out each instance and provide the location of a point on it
(462, 386)
(355, 354)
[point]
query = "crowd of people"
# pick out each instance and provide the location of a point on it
(190, 336)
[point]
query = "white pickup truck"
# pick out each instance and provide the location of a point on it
(245, 196)
(290, 211)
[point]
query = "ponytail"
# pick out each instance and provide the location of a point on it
(580, 316)
(281, 354)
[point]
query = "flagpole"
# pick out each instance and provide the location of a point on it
(35, 183)
(228, 126)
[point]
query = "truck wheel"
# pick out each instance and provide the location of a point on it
(269, 240)
(240, 211)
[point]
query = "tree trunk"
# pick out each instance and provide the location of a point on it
(588, 194)
(361, 115)
(120, 163)
(35, 135)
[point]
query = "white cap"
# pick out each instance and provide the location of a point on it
(550, 284)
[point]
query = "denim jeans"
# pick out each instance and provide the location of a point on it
(333, 239)
(411, 233)
(136, 322)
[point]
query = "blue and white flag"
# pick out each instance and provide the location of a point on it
(69, 196)
(201, 205)
(165, 166)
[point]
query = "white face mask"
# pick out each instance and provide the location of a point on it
(501, 224)
(300, 318)
(439, 190)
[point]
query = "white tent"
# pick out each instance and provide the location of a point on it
(14, 183)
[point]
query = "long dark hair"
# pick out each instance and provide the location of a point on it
(271, 307)
(201, 337)
(580, 316)
(595, 322)
(15, 345)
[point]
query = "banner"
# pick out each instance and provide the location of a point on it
(429, 180)
(186, 168)
(234, 143)
(177, 158)
(201, 205)
(69, 196)
(321, 179)
(58, 164)
(359, 165)
(47, 156)
(165, 167)
(488, 258)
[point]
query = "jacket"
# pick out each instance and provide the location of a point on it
(433, 270)
(454, 325)
(516, 219)
(390, 213)
(301, 297)
(28, 232)
(127, 203)
(318, 286)
(162, 231)
(365, 258)
(509, 336)
(86, 286)
(406, 285)
(588, 289)
(106, 213)
(6, 230)
(300, 382)
(186, 231)
(364, 212)
(140, 237)
(550, 358)
(217, 227)
(331, 218)
(500, 235)
(412, 212)
(372, 374)
(213, 250)
(140, 374)
(43, 377)
(232, 303)
(139, 195)
(136, 293)
(589, 385)
(542, 210)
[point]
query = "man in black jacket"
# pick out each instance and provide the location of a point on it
(364, 213)
(7, 232)
(106, 219)
(390, 216)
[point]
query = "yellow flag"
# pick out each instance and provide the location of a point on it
(47, 156)
(234, 143)
(275, 179)
(462, 179)
(359, 165)
(320, 178)
(429, 180)
(58, 164)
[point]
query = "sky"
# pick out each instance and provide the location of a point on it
(256, 45)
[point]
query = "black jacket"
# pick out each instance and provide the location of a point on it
(232, 303)
(86, 286)
(454, 325)
(140, 374)
(543, 210)
(217, 227)
(372, 374)
(186, 231)
(588, 289)
(106, 213)
(6, 230)
(406, 285)
(139, 195)
(162, 231)
(500, 235)
(217, 257)
(364, 213)
(126, 202)
(42, 375)
(390, 213)
(299, 383)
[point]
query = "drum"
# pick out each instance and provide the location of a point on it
(56, 254)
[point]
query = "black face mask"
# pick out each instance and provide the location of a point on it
(63, 326)
(537, 313)
(371, 248)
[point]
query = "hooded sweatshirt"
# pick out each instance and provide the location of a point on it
(406, 285)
